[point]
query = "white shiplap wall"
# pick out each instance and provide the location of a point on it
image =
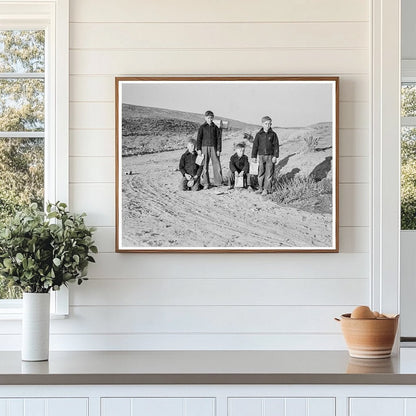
(249, 301)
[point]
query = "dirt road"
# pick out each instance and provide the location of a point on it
(157, 214)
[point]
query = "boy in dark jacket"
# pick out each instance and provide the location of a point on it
(239, 166)
(209, 144)
(266, 149)
(191, 172)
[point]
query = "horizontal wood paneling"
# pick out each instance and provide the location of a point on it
(191, 341)
(104, 238)
(218, 291)
(220, 62)
(354, 170)
(218, 35)
(92, 115)
(200, 319)
(194, 319)
(354, 142)
(219, 11)
(353, 115)
(97, 200)
(298, 37)
(92, 169)
(352, 239)
(95, 143)
(98, 88)
(231, 265)
(102, 169)
(354, 205)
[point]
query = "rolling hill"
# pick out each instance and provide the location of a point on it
(151, 130)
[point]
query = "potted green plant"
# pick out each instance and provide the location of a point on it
(39, 252)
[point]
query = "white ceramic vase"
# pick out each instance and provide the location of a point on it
(35, 326)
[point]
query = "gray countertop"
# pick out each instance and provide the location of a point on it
(208, 367)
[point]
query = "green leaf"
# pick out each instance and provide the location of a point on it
(37, 253)
(69, 223)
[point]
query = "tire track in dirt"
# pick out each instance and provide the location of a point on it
(156, 213)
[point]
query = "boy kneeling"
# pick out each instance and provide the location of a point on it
(239, 167)
(191, 172)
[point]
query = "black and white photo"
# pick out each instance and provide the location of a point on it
(227, 164)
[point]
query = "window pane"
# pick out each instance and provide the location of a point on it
(408, 178)
(22, 51)
(9, 292)
(21, 183)
(408, 99)
(22, 105)
(21, 173)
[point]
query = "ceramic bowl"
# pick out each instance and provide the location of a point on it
(369, 338)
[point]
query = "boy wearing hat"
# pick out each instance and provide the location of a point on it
(239, 166)
(266, 149)
(191, 172)
(209, 144)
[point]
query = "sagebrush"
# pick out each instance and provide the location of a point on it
(298, 189)
(311, 143)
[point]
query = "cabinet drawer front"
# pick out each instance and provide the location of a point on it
(382, 406)
(44, 407)
(159, 406)
(281, 406)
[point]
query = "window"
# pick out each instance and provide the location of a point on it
(22, 125)
(408, 154)
(33, 113)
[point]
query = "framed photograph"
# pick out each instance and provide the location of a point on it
(227, 164)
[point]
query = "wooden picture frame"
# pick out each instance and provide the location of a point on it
(160, 120)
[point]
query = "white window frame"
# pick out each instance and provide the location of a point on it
(385, 156)
(53, 17)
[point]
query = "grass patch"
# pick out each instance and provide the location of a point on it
(304, 193)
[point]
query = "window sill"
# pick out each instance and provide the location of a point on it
(12, 309)
(17, 316)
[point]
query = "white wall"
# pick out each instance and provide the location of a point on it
(234, 300)
(247, 301)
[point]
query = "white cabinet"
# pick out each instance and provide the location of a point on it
(208, 400)
(159, 406)
(380, 406)
(281, 406)
(44, 407)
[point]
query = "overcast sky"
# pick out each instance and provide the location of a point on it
(287, 103)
